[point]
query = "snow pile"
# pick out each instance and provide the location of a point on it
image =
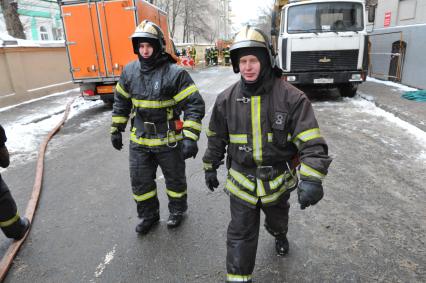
(10, 41)
(25, 135)
(392, 84)
(40, 98)
(372, 109)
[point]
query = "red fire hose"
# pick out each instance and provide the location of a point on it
(13, 249)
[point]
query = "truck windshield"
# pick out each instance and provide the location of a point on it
(325, 17)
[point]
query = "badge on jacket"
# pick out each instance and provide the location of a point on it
(280, 121)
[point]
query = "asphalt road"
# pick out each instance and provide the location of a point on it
(370, 226)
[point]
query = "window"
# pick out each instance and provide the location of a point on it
(44, 35)
(407, 10)
(282, 20)
(57, 33)
(325, 17)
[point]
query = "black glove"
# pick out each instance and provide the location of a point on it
(3, 138)
(309, 193)
(189, 148)
(117, 140)
(211, 179)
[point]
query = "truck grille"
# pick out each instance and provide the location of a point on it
(324, 60)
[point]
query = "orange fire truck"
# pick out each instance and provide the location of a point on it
(97, 37)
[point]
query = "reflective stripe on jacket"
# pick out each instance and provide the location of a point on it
(158, 98)
(265, 130)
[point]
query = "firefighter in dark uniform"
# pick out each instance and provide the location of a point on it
(193, 53)
(215, 56)
(263, 123)
(210, 56)
(12, 225)
(206, 56)
(154, 91)
(226, 55)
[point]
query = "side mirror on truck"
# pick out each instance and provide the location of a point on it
(371, 13)
(274, 31)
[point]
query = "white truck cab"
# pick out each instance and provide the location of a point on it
(324, 43)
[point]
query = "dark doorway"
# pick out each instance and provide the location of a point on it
(397, 62)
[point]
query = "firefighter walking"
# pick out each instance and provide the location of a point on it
(193, 53)
(210, 56)
(12, 225)
(154, 92)
(206, 57)
(215, 56)
(262, 123)
(226, 56)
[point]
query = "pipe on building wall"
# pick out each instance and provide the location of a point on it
(34, 30)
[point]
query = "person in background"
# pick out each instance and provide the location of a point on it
(226, 56)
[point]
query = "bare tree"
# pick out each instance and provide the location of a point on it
(264, 20)
(173, 9)
(194, 19)
(11, 17)
(186, 13)
(197, 20)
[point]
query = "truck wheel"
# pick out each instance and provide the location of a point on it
(348, 90)
(108, 101)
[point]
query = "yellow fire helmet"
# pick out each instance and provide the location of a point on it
(147, 29)
(250, 37)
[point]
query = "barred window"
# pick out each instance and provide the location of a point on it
(44, 35)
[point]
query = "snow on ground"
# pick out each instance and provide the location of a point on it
(368, 112)
(25, 135)
(372, 109)
(40, 98)
(392, 84)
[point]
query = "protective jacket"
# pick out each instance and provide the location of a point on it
(215, 54)
(193, 53)
(226, 53)
(262, 135)
(156, 98)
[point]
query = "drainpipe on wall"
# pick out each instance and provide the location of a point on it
(34, 30)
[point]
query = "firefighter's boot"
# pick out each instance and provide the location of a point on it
(146, 224)
(281, 246)
(175, 219)
(18, 229)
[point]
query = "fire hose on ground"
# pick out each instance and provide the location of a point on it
(13, 249)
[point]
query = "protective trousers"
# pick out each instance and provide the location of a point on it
(9, 218)
(243, 234)
(143, 167)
